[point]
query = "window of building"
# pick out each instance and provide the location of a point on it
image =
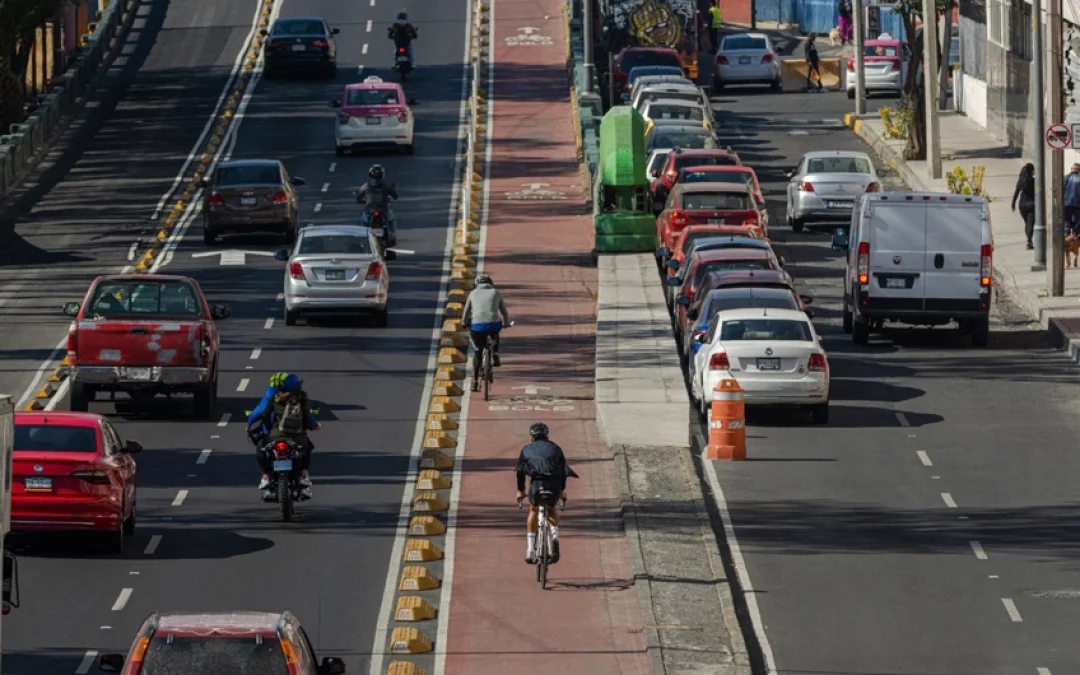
(1021, 41)
(997, 21)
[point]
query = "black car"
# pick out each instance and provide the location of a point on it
(250, 195)
(301, 44)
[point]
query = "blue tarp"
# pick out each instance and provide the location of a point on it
(818, 16)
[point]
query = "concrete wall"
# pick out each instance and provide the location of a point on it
(973, 98)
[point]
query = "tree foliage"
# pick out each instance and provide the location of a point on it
(909, 11)
(18, 21)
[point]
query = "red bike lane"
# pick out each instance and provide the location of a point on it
(537, 249)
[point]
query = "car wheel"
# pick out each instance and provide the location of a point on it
(205, 399)
(849, 319)
(339, 151)
(980, 333)
(290, 317)
(819, 414)
(113, 540)
(382, 317)
(851, 94)
(797, 224)
(80, 397)
(208, 236)
(129, 522)
(777, 84)
(860, 331)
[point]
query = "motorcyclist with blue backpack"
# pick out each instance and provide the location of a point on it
(283, 413)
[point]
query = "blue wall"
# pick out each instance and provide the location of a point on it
(818, 16)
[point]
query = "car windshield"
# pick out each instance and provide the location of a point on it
(335, 243)
(717, 201)
(41, 437)
(373, 97)
(144, 298)
(744, 42)
(743, 298)
(881, 50)
(676, 112)
(709, 160)
(302, 27)
(730, 177)
(783, 330)
(657, 162)
(256, 174)
(172, 655)
(690, 140)
(631, 60)
(839, 164)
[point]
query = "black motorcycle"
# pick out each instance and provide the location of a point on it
(284, 456)
(402, 63)
(377, 222)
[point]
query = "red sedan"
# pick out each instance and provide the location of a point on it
(706, 204)
(729, 174)
(71, 472)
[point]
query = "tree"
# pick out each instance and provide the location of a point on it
(18, 21)
(913, 100)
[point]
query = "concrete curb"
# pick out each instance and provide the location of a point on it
(1004, 282)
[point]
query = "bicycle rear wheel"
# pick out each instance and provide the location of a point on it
(542, 563)
(485, 370)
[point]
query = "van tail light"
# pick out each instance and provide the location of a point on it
(719, 361)
(403, 117)
(721, 60)
(216, 200)
(92, 477)
(678, 219)
(296, 270)
(768, 58)
(291, 662)
(73, 344)
(806, 186)
(864, 263)
(818, 363)
(343, 118)
(896, 64)
(873, 187)
(986, 269)
(281, 198)
(374, 271)
(318, 43)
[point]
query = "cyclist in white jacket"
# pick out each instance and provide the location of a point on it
(481, 316)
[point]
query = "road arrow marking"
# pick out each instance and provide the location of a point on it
(232, 257)
(531, 389)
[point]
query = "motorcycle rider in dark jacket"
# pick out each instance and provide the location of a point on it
(376, 195)
(403, 33)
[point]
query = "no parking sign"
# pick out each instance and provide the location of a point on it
(1058, 137)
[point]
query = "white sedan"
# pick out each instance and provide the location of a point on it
(775, 354)
(746, 58)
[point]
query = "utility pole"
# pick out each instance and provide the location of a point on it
(587, 42)
(1056, 268)
(930, 87)
(859, 20)
(1040, 135)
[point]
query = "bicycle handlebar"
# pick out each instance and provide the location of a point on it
(562, 504)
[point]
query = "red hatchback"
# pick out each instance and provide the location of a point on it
(679, 159)
(706, 204)
(71, 472)
(729, 174)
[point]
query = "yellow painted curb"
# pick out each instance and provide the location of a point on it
(457, 295)
(429, 502)
(58, 375)
(48, 390)
(404, 668)
(449, 374)
(421, 551)
(432, 479)
(464, 284)
(454, 310)
(451, 326)
(439, 440)
(456, 341)
(440, 423)
(446, 389)
(449, 355)
(443, 405)
(33, 406)
(426, 526)
(462, 261)
(460, 273)
(464, 249)
(416, 578)
(413, 608)
(406, 640)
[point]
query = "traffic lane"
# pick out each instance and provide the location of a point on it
(78, 215)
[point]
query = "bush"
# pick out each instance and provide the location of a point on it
(897, 123)
(960, 183)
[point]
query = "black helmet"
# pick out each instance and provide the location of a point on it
(376, 172)
(484, 279)
(403, 15)
(539, 431)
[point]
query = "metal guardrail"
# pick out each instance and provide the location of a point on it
(588, 109)
(24, 144)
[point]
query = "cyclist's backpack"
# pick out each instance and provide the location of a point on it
(291, 415)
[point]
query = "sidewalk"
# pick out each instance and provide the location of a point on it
(966, 144)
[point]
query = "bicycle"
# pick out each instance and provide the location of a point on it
(543, 534)
(486, 356)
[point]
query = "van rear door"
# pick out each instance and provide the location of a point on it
(954, 238)
(897, 254)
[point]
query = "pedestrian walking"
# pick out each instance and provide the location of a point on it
(813, 63)
(844, 10)
(716, 22)
(1072, 201)
(1025, 196)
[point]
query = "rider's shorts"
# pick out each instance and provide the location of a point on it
(548, 484)
(479, 332)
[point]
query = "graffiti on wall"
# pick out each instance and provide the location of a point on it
(657, 23)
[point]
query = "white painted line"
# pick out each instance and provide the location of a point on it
(122, 599)
(133, 574)
(924, 458)
(977, 548)
(833, 122)
(947, 498)
(106, 628)
(902, 419)
(1010, 607)
(1043, 671)
(131, 251)
(256, 353)
(318, 206)
(152, 545)
(269, 323)
(180, 497)
(279, 298)
(87, 662)
(244, 382)
(333, 167)
(798, 132)
(372, 3)
(203, 456)
(363, 50)
(224, 421)
(360, 70)
(369, 25)
(325, 187)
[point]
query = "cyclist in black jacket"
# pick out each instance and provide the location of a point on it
(544, 463)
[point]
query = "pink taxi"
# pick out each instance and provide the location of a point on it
(373, 113)
(885, 64)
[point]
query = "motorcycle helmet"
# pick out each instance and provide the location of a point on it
(483, 279)
(278, 379)
(376, 172)
(539, 431)
(294, 383)
(403, 15)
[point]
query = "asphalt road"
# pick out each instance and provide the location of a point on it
(857, 536)
(205, 540)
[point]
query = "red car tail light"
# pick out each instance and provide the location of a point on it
(678, 219)
(216, 200)
(721, 60)
(92, 477)
(719, 361)
(768, 58)
(806, 186)
(403, 117)
(319, 43)
(873, 187)
(374, 271)
(296, 270)
(896, 64)
(864, 263)
(818, 363)
(986, 266)
(73, 344)
(274, 44)
(281, 198)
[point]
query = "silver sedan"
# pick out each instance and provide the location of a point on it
(824, 186)
(335, 269)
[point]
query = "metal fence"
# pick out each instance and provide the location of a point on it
(24, 145)
(819, 16)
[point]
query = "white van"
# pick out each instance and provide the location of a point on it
(919, 259)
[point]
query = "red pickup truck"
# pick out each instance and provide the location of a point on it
(144, 334)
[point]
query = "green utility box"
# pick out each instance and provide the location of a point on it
(622, 217)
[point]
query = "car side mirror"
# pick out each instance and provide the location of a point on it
(111, 663)
(806, 299)
(672, 265)
(882, 173)
(220, 311)
(335, 104)
(133, 447)
(790, 174)
(281, 255)
(674, 281)
(297, 180)
(335, 31)
(809, 314)
(700, 338)
(263, 32)
(692, 314)
(331, 665)
(413, 101)
(71, 308)
(202, 183)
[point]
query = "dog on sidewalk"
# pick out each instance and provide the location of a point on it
(834, 36)
(1072, 250)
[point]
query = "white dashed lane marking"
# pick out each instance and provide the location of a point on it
(244, 382)
(369, 25)
(1010, 607)
(947, 498)
(122, 599)
(977, 549)
(203, 456)
(180, 497)
(318, 207)
(224, 421)
(257, 352)
(88, 660)
(151, 546)
(902, 419)
(924, 458)
(269, 324)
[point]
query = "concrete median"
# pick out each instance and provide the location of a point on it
(793, 74)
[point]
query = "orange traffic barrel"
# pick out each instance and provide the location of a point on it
(727, 423)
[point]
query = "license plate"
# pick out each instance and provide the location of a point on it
(335, 275)
(896, 282)
(374, 120)
(841, 205)
(378, 231)
(37, 483)
(135, 373)
(744, 59)
(768, 364)
(717, 221)
(402, 58)
(299, 48)
(282, 465)
(247, 201)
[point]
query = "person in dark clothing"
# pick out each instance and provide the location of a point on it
(1025, 195)
(844, 11)
(377, 195)
(813, 62)
(545, 465)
